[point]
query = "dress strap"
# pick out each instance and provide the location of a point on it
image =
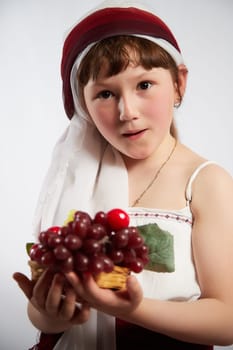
(188, 192)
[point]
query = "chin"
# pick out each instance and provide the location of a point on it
(136, 156)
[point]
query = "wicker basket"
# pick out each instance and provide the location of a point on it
(112, 280)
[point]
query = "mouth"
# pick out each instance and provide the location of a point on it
(134, 133)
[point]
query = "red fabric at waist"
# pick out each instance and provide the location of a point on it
(46, 341)
(130, 336)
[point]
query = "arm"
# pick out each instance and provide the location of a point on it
(208, 320)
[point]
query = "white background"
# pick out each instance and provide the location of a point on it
(32, 116)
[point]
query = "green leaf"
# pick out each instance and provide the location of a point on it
(161, 248)
(28, 247)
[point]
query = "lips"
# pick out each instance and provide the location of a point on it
(132, 133)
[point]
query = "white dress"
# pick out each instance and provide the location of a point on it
(181, 285)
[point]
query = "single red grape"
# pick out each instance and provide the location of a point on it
(143, 253)
(82, 216)
(43, 237)
(116, 255)
(80, 228)
(142, 250)
(100, 218)
(117, 219)
(81, 262)
(145, 259)
(65, 230)
(135, 240)
(91, 246)
(72, 242)
(36, 252)
(108, 263)
(65, 265)
(136, 265)
(120, 239)
(48, 259)
(129, 256)
(54, 229)
(96, 231)
(96, 265)
(54, 240)
(61, 252)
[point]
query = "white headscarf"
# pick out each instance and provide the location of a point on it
(85, 174)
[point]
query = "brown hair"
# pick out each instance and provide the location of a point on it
(116, 52)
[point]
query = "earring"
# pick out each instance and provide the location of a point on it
(177, 104)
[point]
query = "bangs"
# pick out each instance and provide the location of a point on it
(113, 55)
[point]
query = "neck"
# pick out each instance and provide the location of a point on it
(156, 174)
(154, 160)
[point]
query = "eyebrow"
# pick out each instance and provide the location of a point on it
(104, 81)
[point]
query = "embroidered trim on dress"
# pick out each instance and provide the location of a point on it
(165, 215)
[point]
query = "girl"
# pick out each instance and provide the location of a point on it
(123, 75)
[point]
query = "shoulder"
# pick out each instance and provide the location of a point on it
(205, 171)
(212, 189)
(208, 181)
(212, 177)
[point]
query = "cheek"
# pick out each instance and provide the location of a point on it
(104, 120)
(161, 109)
(160, 113)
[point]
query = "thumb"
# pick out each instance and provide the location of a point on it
(25, 284)
(134, 290)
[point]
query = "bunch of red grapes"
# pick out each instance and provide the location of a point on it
(93, 245)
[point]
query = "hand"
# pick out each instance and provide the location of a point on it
(54, 298)
(115, 303)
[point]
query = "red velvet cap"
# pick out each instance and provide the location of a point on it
(103, 23)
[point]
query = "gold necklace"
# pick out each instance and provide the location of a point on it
(137, 200)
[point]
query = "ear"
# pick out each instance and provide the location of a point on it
(182, 78)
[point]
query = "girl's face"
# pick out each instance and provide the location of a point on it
(133, 110)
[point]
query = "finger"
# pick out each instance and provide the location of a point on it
(90, 284)
(134, 290)
(68, 304)
(41, 289)
(82, 313)
(54, 295)
(76, 283)
(25, 284)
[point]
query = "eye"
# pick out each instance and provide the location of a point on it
(144, 85)
(105, 94)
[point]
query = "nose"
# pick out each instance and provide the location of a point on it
(126, 108)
